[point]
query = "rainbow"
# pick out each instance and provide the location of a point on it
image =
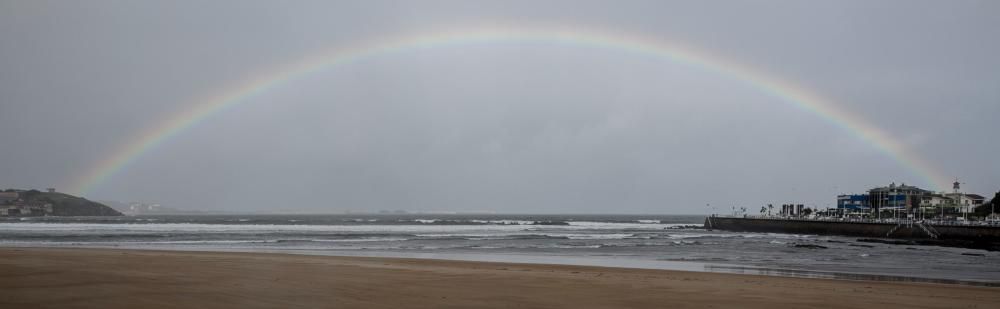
(239, 92)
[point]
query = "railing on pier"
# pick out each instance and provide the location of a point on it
(928, 229)
(902, 221)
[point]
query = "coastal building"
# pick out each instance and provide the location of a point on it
(934, 200)
(976, 199)
(911, 199)
(8, 197)
(896, 198)
(853, 202)
(792, 209)
(26, 210)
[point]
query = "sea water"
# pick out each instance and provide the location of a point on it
(640, 241)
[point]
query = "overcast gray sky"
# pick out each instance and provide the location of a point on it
(503, 126)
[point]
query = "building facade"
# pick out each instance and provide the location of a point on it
(853, 202)
(907, 199)
(896, 198)
(8, 197)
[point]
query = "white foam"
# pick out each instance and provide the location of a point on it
(126, 228)
(594, 236)
(624, 225)
(373, 239)
(504, 222)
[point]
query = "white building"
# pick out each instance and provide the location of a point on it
(8, 197)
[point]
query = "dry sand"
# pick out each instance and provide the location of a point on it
(98, 278)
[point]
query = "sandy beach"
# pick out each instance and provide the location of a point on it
(103, 278)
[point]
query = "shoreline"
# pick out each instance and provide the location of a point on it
(115, 278)
(586, 261)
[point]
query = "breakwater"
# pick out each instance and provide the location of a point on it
(962, 235)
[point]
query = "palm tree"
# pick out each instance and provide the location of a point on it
(769, 209)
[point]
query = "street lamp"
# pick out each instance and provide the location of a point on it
(993, 204)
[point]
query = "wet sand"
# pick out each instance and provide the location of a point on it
(104, 278)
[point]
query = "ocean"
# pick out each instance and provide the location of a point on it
(639, 241)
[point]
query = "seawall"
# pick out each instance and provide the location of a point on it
(860, 229)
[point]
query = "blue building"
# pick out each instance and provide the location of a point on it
(892, 197)
(853, 202)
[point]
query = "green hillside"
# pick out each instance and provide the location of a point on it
(64, 204)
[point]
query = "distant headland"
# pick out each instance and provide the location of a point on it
(34, 203)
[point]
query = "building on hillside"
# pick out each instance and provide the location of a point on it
(24, 210)
(8, 197)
